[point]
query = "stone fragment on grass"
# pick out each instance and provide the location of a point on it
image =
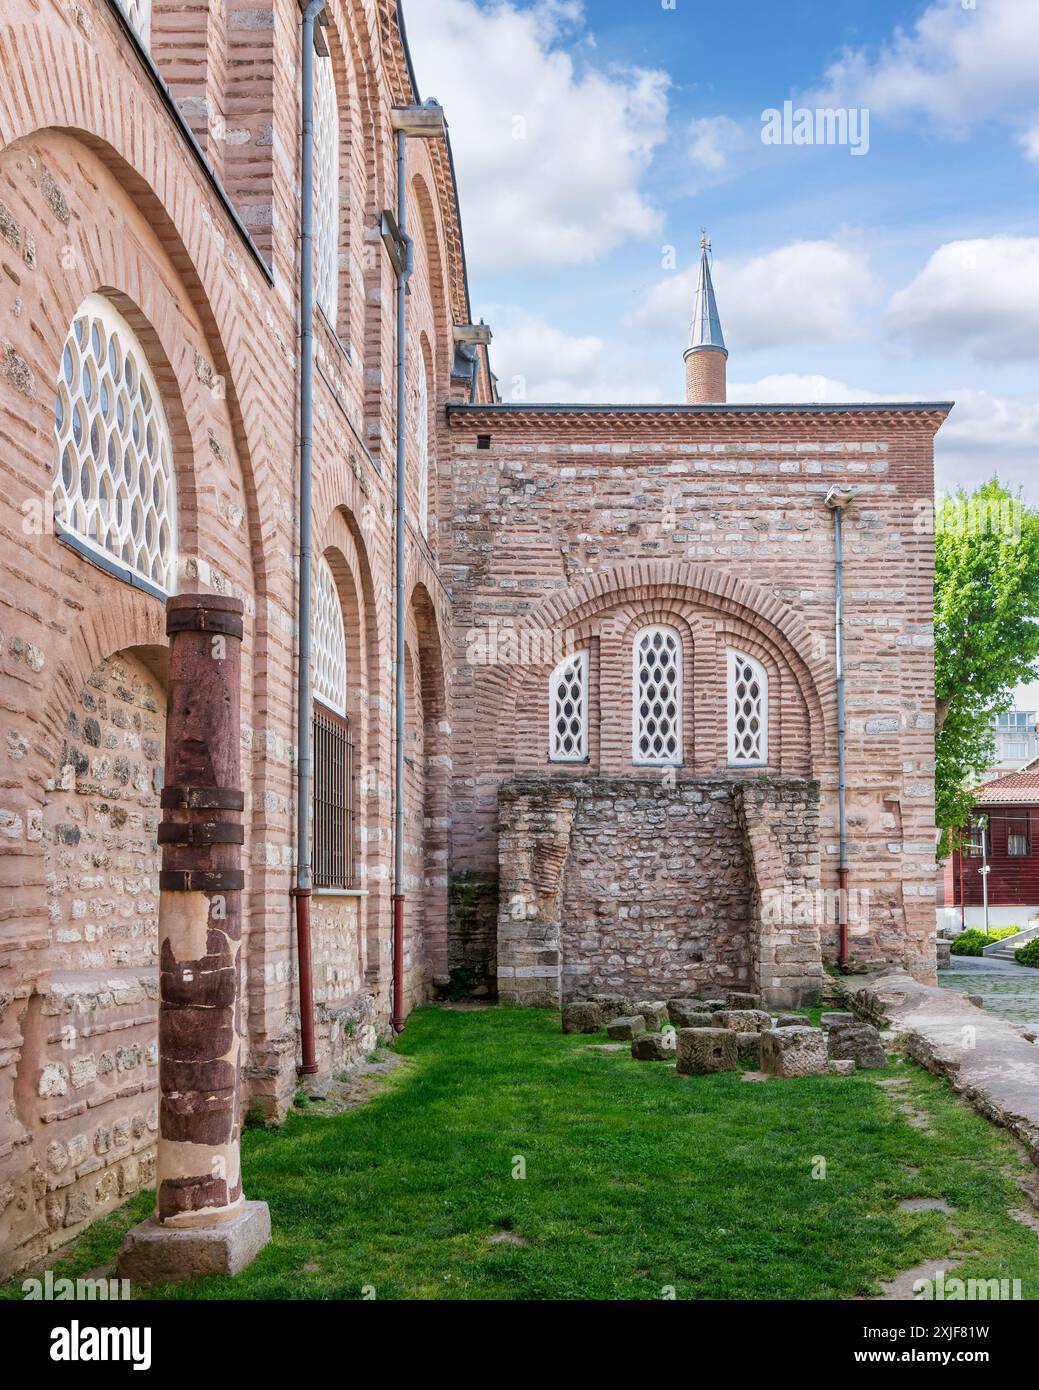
(858, 1041)
(841, 1067)
(621, 1029)
(705, 1050)
(743, 1020)
(582, 1017)
(793, 1051)
(653, 1047)
(735, 1000)
(654, 1011)
(792, 1021)
(748, 1048)
(613, 1006)
(689, 1013)
(836, 1019)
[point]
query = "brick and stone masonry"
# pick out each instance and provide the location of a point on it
(577, 525)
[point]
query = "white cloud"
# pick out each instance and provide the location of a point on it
(956, 66)
(713, 140)
(536, 361)
(1029, 142)
(985, 433)
(550, 156)
(809, 291)
(980, 295)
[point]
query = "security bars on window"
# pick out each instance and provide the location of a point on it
(329, 645)
(422, 445)
(113, 471)
(326, 189)
(657, 698)
(748, 711)
(568, 710)
(333, 801)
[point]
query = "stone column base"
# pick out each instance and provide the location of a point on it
(154, 1254)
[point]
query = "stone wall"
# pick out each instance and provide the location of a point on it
(648, 889)
(85, 1085)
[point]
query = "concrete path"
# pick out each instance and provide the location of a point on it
(984, 1057)
(1009, 990)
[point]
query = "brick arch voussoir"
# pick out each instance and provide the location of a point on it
(651, 582)
(105, 111)
(120, 619)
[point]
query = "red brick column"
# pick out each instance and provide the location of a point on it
(199, 1189)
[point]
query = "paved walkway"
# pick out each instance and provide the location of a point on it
(987, 1061)
(1008, 990)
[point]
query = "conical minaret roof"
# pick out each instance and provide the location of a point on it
(706, 331)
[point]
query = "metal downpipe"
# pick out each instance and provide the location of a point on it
(842, 781)
(304, 734)
(399, 701)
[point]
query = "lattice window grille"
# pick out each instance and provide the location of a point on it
(657, 698)
(568, 705)
(139, 13)
(329, 648)
(748, 711)
(422, 445)
(113, 462)
(326, 189)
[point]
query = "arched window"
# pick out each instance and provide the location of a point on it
(748, 711)
(113, 462)
(329, 649)
(139, 13)
(326, 189)
(422, 444)
(656, 698)
(568, 710)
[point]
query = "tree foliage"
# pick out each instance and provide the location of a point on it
(986, 615)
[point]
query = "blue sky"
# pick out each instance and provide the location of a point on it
(590, 138)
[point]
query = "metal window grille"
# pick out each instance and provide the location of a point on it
(334, 830)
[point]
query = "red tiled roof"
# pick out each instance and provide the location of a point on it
(1018, 788)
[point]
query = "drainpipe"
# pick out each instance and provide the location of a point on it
(837, 499)
(399, 520)
(304, 733)
(425, 121)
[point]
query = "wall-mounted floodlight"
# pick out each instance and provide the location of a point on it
(839, 497)
(425, 121)
(479, 333)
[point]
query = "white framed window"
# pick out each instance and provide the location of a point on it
(329, 649)
(326, 189)
(139, 13)
(113, 458)
(568, 710)
(656, 698)
(422, 444)
(748, 711)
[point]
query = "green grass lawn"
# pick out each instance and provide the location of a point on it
(636, 1179)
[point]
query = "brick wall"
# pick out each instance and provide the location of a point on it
(100, 191)
(574, 528)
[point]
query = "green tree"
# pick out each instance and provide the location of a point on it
(986, 615)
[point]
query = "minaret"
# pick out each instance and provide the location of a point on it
(706, 354)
